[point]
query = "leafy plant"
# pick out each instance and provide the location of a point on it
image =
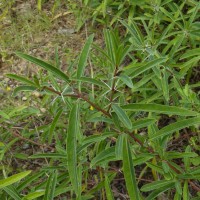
(119, 122)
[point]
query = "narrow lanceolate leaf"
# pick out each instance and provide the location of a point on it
(72, 147)
(147, 66)
(122, 116)
(109, 193)
(126, 79)
(23, 88)
(190, 53)
(84, 56)
(51, 186)
(104, 156)
(4, 115)
(93, 81)
(34, 195)
(29, 180)
(12, 192)
(135, 32)
(157, 108)
(141, 123)
(13, 179)
(158, 191)
(176, 127)
(53, 125)
(48, 155)
(20, 78)
(44, 65)
(129, 172)
(156, 184)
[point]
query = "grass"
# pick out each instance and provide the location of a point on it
(120, 121)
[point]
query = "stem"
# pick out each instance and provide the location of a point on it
(80, 96)
(113, 88)
(16, 134)
(106, 113)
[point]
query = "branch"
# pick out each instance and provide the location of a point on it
(80, 96)
(16, 134)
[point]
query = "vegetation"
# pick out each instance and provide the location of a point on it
(122, 121)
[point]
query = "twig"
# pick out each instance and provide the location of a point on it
(17, 134)
(113, 88)
(195, 187)
(80, 96)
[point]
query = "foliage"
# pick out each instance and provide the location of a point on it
(119, 122)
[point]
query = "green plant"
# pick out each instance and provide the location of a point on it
(122, 119)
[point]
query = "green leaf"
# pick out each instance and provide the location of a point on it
(29, 180)
(51, 186)
(23, 88)
(175, 155)
(190, 53)
(34, 195)
(109, 193)
(141, 123)
(97, 138)
(12, 192)
(156, 184)
(49, 155)
(135, 32)
(4, 115)
(53, 126)
(126, 79)
(129, 172)
(13, 179)
(176, 127)
(178, 187)
(92, 81)
(157, 108)
(104, 156)
(122, 116)
(149, 65)
(72, 147)
(44, 65)
(84, 56)
(185, 191)
(158, 191)
(21, 79)
(119, 146)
